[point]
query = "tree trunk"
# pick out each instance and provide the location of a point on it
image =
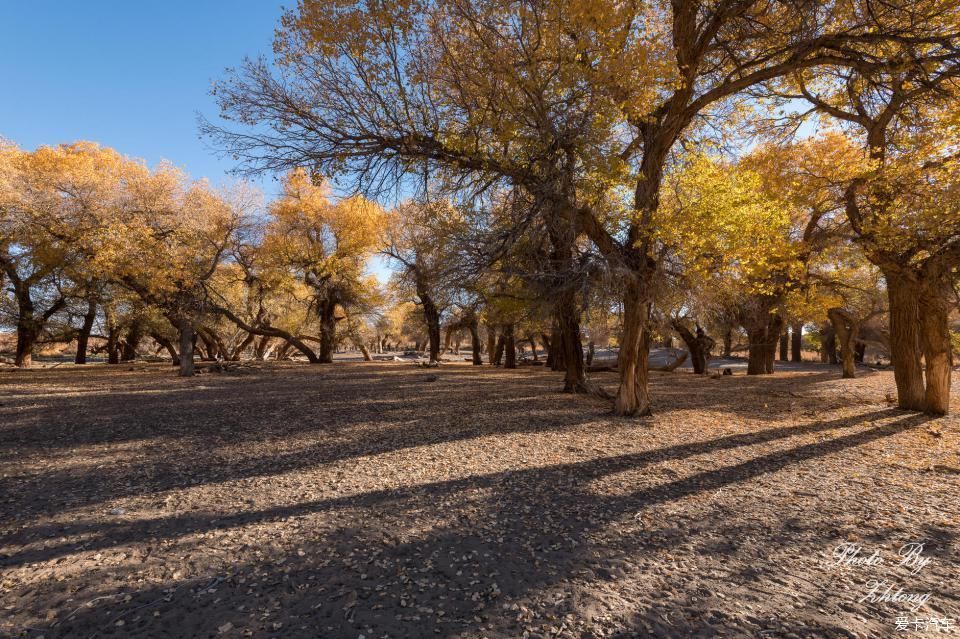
(498, 355)
(509, 347)
(168, 346)
(698, 345)
(934, 312)
(859, 352)
(83, 337)
(728, 343)
(132, 341)
(905, 341)
(591, 351)
(756, 352)
(633, 397)
(28, 331)
(763, 331)
(491, 345)
(846, 329)
(475, 342)
(328, 332)
(548, 346)
(774, 329)
(568, 321)
(432, 316)
(186, 348)
(557, 349)
(796, 342)
(26, 338)
(784, 346)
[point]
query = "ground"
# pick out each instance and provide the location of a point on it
(384, 500)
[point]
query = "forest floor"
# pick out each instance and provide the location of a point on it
(384, 500)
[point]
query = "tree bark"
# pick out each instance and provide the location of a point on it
(784, 346)
(132, 341)
(432, 316)
(728, 343)
(633, 396)
(498, 351)
(491, 345)
(28, 331)
(83, 337)
(475, 342)
(763, 331)
(328, 332)
(568, 322)
(698, 345)
(846, 330)
(934, 315)
(796, 342)
(185, 327)
(905, 341)
(509, 347)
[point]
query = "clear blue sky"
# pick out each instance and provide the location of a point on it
(130, 75)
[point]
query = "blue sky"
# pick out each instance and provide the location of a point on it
(130, 75)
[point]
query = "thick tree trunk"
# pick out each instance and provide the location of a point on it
(498, 351)
(784, 346)
(548, 346)
(509, 347)
(132, 341)
(698, 345)
(185, 327)
(26, 339)
(633, 396)
(774, 330)
(568, 322)
(475, 342)
(756, 352)
(934, 312)
(763, 332)
(432, 316)
(328, 332)
(491, 345)
(28, 332)
(83, 337)
(697, 358)
(558, 362)
(846, 329)
(728, 343)
(796, 342)
(905, 341)
(113, 346)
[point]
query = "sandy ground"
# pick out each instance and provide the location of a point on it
(383, 500)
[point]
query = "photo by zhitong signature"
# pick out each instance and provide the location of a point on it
(889, 584)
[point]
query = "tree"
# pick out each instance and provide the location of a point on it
(326, 246)
(902, 207)
(54, 202)
(186, 228)
(421, 239)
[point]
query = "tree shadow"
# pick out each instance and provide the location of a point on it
(545, 540)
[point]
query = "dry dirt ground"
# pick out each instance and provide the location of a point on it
(383, 500)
